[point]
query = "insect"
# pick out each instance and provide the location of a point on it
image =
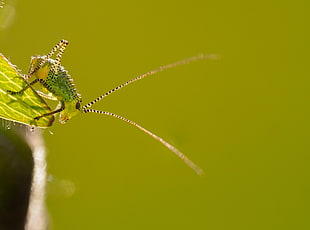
(58, 85)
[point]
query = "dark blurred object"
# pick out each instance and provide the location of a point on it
(16, 169)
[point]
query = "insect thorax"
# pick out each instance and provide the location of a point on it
(60, 84)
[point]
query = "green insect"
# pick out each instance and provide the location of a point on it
(20, 97)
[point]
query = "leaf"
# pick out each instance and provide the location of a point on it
(24, 107)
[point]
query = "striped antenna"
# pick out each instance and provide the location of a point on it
(178, 153)
(152, 72)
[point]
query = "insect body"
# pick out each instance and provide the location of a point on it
(58, 85)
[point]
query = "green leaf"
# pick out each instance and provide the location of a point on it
(24, 107)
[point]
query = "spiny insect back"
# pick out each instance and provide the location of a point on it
(57, 85)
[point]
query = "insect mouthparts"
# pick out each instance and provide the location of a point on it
(63, 121)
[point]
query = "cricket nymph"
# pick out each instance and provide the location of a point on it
(57, 85)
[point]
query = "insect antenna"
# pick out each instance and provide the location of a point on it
(152, 72)
(86, 108)
(177, 152)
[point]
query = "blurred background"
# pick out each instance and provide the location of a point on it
(243, 118)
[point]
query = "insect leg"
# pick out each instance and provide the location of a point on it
(53, 112)
(27, 86)
(56, 66)
(61, 45)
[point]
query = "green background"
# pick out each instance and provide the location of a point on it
(243, 118)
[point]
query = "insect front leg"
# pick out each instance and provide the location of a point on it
(53, 112)
(27, 86)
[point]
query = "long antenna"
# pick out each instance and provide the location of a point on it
(185, 159)
(177, 152)
(182, 62)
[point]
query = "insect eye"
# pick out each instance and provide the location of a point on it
(78, 105)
